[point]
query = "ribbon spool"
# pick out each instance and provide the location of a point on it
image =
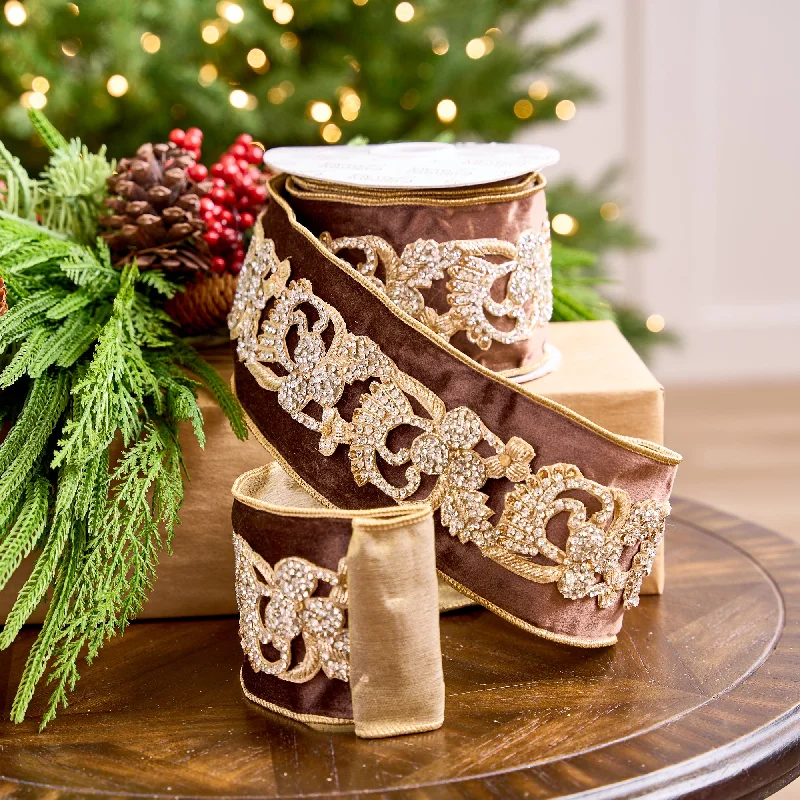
(456, 235)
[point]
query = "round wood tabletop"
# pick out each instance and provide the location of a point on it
(698, 699)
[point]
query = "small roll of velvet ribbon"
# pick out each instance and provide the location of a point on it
(472, 264)
(339, 620)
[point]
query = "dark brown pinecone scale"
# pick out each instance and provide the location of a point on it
(155, 210)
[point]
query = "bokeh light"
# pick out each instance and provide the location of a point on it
(33, 100)
(440, 45)
(565, 110)
(150, 43)
(283, 14)
(476, 48)
(232, 12)
(319, 111)
(40, 84)
(404, 12)
(564, 224)
(71, 47)
(446, 110)
(257, 60)
(117, 85)
(609, 211)
(15, 13)
(538, 90)
(238, 98)
(523, 109)
(331, 133)
(207, 75)
(211, 33)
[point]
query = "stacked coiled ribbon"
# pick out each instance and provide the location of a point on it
(373, 364)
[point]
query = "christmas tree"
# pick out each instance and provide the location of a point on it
(309, 72)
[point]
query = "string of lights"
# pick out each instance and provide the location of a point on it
(320, 111)
(431, 73)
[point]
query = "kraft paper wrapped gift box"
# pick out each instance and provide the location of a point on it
(600, 377)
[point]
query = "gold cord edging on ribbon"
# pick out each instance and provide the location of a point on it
(561, 638)
(310, 189)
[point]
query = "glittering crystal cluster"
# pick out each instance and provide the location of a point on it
(528, 298)
(445, 447)
(277, 605)
(262, 277)
(594, 544)
(644, 526)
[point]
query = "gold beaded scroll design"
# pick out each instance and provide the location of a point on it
(278, 605)
(445, 446)
(528, 300)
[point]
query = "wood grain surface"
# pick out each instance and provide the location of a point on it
(698, 699)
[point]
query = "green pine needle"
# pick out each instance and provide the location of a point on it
(210, 378)
(27, 529)
(51, 137)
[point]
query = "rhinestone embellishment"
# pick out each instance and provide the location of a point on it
(277, 605)
(528, 299)
(444, 447)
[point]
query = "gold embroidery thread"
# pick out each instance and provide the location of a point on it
(528, 300)
(445, 447)
(278, 605)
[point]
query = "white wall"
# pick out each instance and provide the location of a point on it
(700, 101)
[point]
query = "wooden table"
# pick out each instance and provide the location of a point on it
(698, 699)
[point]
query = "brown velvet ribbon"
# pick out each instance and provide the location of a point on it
(643, 470)
(503, 211)
(322, 542)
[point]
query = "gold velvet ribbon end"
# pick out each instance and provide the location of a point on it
(395, 655)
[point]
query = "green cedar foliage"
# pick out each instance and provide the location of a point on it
(87, 358)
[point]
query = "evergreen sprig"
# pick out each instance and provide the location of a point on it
(87, 358)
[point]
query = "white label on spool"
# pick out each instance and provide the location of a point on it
(412, 165)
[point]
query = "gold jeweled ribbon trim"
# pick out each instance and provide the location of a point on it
(316, 372)
(291, 610)
(528, 300)
(328, 510)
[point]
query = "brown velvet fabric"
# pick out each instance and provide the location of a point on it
(323, 542)
(320, 696)
(402, 224)
(506, 411)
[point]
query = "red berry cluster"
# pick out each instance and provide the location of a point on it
(238, 193)
(190, 140)
(230, 208)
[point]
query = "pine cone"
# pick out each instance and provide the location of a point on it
(155, 210)
(3, 302)
(204, 304)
